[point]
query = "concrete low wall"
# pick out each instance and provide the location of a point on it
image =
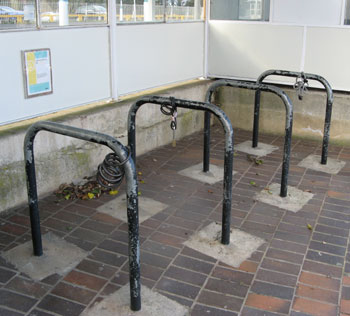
(60, 159)
(309, 114)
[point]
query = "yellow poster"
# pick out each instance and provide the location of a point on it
(37, 71)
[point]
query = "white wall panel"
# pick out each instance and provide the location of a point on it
(151, 55)
(327, 54)
(245, 50)
(307, 12)
(80, 70)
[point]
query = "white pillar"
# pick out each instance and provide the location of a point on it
(148, 10)
(121, 11)
(197, 9)
(112, 20)
(63, 12)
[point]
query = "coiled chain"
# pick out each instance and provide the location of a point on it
(301, 85)
(110, 172)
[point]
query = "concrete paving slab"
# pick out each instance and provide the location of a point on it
(152, 304)
(260, 151)
(59, 257)
(294, 201)
(313, 162)
(241, 246)
(117, 208)
(214, 175)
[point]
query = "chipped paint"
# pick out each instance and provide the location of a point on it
(314, 131)
(228, 160)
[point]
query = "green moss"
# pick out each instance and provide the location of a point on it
(12, 180)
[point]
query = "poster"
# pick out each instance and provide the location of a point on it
(37, 72)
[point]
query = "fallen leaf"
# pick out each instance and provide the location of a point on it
(91, 195)
(258, 162)
(139, 173)
(113, 192)
(67, 197)
(139, 193)
(309, 227)
(252, 183)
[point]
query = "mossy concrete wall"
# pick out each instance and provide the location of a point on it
(309, 114)
(61, 159)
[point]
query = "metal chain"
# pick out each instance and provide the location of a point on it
(301, 85)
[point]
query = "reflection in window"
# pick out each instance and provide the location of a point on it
(249, 10)
(17, 14)
(131, 11)
(72, 12)
(347, 13)
(184, 10)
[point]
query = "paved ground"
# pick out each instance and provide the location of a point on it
(302, 269)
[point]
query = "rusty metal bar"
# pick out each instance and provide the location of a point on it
(228, 160)
(308, 76)
(131, 194)
(288, 124)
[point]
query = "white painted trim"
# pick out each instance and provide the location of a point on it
(112, 21)
(206, 38)
(303, 52)
(278, 24)
(271, 15)
(342, 15)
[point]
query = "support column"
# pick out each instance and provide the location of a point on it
(149, 10)
(63, 12)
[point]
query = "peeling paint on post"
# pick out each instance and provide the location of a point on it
(288, 124)
(132, 197)
(308, 76)
(228, 160)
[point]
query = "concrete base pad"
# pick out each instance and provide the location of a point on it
(260, 151)
(241, 246)
(117, 208)
(214, 175)
(294, 201)
(152, 304)
(59, 257)
(313, 162)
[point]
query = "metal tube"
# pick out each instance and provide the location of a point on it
(228, 160)
(256, 119)
(206, 145)
(329, 102)
(131, 188)
(288, 124)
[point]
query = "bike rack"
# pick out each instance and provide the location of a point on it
(228, 160)
(329, 104)
(288, 125)
(131, 193)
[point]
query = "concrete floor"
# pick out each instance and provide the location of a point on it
(302, 267)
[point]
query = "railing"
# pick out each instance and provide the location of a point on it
(124, 13)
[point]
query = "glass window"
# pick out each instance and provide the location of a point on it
(245, 10)
(17, 14)
(184, 10)
(347, 13)
(72, 12)
(133, 11)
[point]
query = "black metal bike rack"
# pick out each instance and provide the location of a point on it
(228, 160)
(307, 76)
(131, 193)
(288, 125)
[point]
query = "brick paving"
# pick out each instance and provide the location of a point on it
(297, 271)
